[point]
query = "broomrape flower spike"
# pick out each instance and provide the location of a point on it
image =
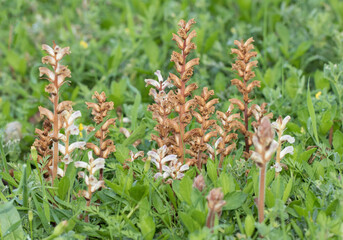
(215, 204)
(243, 66)
(56, 77)
(265, 146)
(160, 158)
(93, 184)
(161, 109)
(100, 111)
(280, 126)
(182, 106)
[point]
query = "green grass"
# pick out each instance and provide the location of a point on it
(115, 46)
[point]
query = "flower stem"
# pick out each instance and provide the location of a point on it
(261, 194)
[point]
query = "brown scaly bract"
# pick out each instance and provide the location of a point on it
(183, 106)
(43, 144)
(100, 111)
(243, 66)
(201, 136)
(56, 77)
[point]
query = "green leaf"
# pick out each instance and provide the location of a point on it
(212, 171)
(288, 190)
(63, 187)
(147, 226)
(189, 222)
(338, 141)
(249, 225)
(186, 189)
(312, 113)
(10, 222)
(118, 90)
(305, 156)
(138, 191)
(326, 122)
(234, 200)
(320, 81)
(121, 153)
(152, 51)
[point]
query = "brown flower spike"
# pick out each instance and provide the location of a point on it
(182, 106)
(243, 66)
(215, 204)
(100, 111)
(56, 77)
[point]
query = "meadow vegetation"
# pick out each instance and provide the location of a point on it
(171, 119)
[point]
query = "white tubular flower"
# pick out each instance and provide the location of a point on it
(73, 116)
(73, 129)
(277, 167)
(93, 165)
(67, 159)
(62, 149)
(159, 157)
(174, 170)
(287, 138)
(160, 84)
(73, 146)
(286, 150)
(60, 172)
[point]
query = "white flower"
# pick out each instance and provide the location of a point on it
(277, 167)
(91, 181)
(73, 129)
(73, 116)
(287, 138)
(60, 172)
(75, 145)
(280, 124)
(67, 159)
(93, 166)
(160, 84)
(159, 157)
(286, 150)
(174, 170)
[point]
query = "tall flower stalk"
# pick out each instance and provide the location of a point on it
(184, 68)
(56, 77)
(265, 146)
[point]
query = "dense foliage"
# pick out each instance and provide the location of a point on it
(115, 46)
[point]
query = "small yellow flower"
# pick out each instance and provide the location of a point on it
(80, 128)
(0, 100)
(318, 94)
(302, 130)
(84, 44)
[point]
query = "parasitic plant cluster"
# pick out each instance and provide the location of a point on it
(186, 132)
(100, 111)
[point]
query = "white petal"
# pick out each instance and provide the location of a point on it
(81, 175)
(166, 174)
(90, 156)
(179, 175)
(60, 172)
(286, 150)
(67, 159)
(277, 167)
(156, 163)
(80, 164)
(275, 125)
(184, 168)
(219, 140)
(154, 155)
(97, 167)
(98, 161)
(165, 168)
(62, 149)
(157, 175)
(287, 138)
(285, 121)
(73, 129)
(169, 158)
(139, 154)
(97, 185)
(167, 84)
(272, 148)
(75, 145)
(74, 116)
(162, 151)
(152, 83)
(159, 75)
(256, 143)
(132, 156)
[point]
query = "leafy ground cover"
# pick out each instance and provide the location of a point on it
(115, 45)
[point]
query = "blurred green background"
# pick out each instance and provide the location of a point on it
(116, 44)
